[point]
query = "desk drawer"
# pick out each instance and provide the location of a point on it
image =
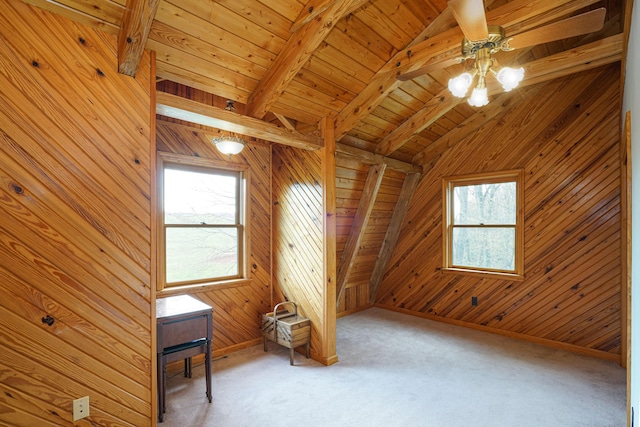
(183, 330)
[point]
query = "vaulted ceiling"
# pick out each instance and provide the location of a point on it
(290, 63)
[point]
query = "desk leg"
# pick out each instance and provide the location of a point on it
(207, 366)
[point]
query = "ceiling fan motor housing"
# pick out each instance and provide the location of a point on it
(495, 42)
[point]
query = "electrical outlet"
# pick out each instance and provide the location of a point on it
(474, 301)
(80, 408)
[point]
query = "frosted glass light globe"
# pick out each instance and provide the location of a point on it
(478, 97)
(509, 78)
(458, 86)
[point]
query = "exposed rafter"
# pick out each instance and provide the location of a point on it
(315, 7)
(583, 58)
(196, 112)
(293, 56)
(456, 135)
(516, 16)
(133, 34)
(365, 157)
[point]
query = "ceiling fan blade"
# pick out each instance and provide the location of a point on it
(471, 18)
(578, 25)
(430, 68)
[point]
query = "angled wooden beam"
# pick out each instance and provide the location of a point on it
(285, 122)
(358, 226)
(444, 46)
(361, 156)
(314, 8)
(381, 85)
(571, 61)
(466, 128)
(133, 34)
(295, 53)
(393, 233)
(435, 108)
(196, 112)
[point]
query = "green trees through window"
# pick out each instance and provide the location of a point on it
(483, 224)
(202, 224)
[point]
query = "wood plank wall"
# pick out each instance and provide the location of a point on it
(75, 210)
(566, 138)
(350, 179)
(237, 309)
(297, 234)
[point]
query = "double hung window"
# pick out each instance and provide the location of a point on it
(483, 223)
(203, 224)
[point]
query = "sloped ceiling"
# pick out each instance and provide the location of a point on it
(293, 62)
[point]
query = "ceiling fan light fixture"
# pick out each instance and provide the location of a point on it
(510, 78)
(229, 145)
(459, 86)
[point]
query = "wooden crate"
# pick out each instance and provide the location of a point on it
(286, 328)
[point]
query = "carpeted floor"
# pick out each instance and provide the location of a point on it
(400, 370)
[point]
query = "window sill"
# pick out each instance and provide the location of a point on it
(204, 287)
(485, 274)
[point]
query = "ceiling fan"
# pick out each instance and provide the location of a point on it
(482, 41)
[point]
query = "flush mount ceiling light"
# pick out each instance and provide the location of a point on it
(229, 145)
(481, 52)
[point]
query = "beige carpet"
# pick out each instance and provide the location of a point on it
(400, 370)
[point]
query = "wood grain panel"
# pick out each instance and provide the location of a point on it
(566, 138)
(351, 179)
(75, 282)
(237, 310)
(297, 234)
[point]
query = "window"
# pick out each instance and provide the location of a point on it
(483, 224)
(203, 235)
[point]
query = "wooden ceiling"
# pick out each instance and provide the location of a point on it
(290, 63)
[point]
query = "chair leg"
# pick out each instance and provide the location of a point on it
(187, 367)
(291, 352)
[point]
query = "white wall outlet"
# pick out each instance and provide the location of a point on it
(80, 408)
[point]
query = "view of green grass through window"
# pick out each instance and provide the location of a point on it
(484, 226)
(202, 225)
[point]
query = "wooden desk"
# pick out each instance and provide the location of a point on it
(184, 330)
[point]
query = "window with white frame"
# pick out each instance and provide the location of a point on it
(483, 223)
(202, 219)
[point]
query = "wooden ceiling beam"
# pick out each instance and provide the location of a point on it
(433, 151)
(437, 107)
(293, 56)
(196, 112)
(365, 157)
(582, 58)
(315, 7)
(444, 46)
(381, 85)
(134, 32)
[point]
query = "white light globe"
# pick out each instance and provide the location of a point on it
(458, 86)
(229, 145)
(509, 78)
(478, 97)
